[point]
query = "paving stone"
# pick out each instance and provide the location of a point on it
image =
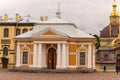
(59, 76)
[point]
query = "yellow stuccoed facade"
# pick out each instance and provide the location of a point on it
(9, 41)
(72, 56)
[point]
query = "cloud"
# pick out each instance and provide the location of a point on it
(88, 15)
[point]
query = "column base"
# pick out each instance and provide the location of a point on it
(17, 65)
(64, 67)
(33, 66)
(58, 67)
(89, 66)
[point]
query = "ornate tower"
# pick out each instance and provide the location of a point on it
(114, 21)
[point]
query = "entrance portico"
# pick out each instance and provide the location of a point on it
(49, 55)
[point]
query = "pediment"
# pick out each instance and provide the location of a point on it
(49, 33)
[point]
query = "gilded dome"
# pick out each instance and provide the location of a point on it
(114, 13)
(116, 41)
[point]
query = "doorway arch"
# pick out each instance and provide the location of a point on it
(52, 58)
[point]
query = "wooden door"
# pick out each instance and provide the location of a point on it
(51, 58)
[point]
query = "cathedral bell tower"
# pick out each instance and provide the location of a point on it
(114, 21)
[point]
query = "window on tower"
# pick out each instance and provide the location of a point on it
(114, 19)
(115, 31)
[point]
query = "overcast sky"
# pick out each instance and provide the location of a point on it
(89, 15)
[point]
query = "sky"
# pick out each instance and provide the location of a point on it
(90, 16)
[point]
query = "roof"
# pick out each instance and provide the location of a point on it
(56, 25)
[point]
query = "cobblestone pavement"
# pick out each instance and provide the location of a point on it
(58, 76)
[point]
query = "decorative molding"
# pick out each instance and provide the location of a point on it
(51, 42)
(79, 43)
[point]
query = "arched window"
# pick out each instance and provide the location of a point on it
(6, 32)
(17, 31)
(25, 57)
(5, 51)
(24, 30)
(82, 58)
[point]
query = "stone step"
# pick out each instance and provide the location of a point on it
(52, 70)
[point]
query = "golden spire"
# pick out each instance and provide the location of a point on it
(114, 12)
(114, 4)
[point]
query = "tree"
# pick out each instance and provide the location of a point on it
(97, 44)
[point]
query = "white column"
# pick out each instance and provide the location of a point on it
(59, 56)
(64, 55)
(44, 56)
(35, 55)
(18, 56)
(89, 56)
(40, 55)
(67, 55)
(93, 57)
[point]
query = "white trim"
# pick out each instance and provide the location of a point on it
(72, 66)
(79, 43)
(82, 45)
(42, 32)
(29, 52)
(25, 46)
(24, 43)
(50, 42)
(78, 56)
(55, 42)
(51, 47)
(50, 36)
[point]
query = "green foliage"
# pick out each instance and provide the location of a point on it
(97, 44)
